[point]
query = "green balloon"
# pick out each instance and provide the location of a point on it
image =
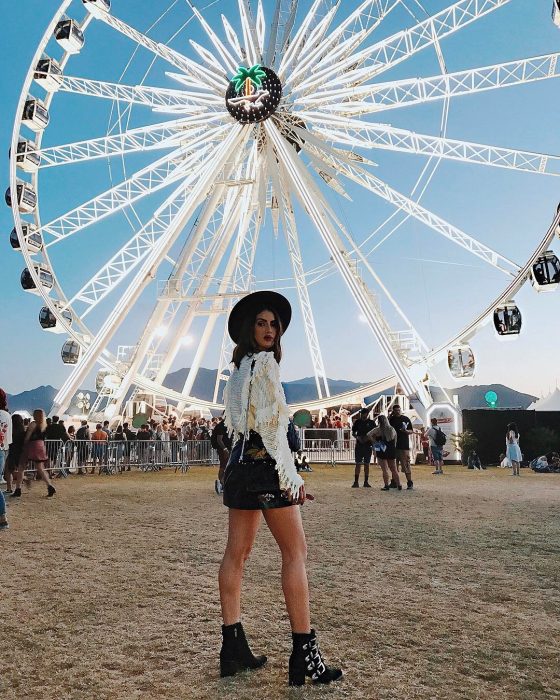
(491, 398)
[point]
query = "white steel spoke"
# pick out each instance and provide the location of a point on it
(233, 39)
(402, 93)
(249, 33)
(340, 42)
(383, 136)
(402, 45)
(336, 247)
(162, 135)
(170, 55)
(143, 277)
(296, 46)
(294, 249)
(138, 94)
(409, 206)
(150, 179)
(229, 62)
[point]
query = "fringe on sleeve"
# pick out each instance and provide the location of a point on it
(271, 417)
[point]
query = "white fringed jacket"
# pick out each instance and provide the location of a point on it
(268, 412)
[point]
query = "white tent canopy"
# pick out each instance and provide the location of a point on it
(548, 403)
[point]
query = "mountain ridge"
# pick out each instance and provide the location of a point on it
(297, 391)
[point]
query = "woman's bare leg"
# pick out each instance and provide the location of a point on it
(287, 529)
(243, 527)
(384, 471)
(392, 464)
(43, 473)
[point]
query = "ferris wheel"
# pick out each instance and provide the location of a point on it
(235, 124)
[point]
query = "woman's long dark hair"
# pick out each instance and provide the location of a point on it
(247, 345)
(512, 426)
(18, 428)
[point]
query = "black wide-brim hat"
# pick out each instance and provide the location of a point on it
(255, 302)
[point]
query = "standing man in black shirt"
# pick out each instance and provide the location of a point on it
(403, 426)
(364, 447)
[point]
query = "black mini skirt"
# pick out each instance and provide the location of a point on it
(235, 480)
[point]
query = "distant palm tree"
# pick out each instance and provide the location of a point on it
(247, 77)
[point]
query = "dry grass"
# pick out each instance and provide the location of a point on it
(449, 591)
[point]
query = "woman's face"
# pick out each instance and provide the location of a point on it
(266, 330)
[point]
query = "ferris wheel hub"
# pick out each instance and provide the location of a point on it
(253, 94)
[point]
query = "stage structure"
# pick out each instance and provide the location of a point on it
(251, 114)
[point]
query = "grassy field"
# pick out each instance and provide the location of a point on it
(109, 590)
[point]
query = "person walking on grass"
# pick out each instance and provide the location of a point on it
(261, 480)
(403, 426)
(363, 449)
(34, 451)
(513, 451)
(384, 438)
(435, 436)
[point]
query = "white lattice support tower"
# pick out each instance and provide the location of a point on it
(162, 135)
(164, 171)
(402, 93)
(208, 175)
(166, 309)
(390, 52)
(357, 134)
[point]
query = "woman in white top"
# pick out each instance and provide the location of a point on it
(257, 415)
(513, 452)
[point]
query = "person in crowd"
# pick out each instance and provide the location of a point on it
(55, 437)
(221, 442)
(302, 465)
(473, 461)
(261, 478)
(513, 451)
(15, 452)
(435, 449)
(325, 423)
(99, 441)
(128, 448)
(403, 427)
(34, 451)
(425, 442)
(384, 438)
(363, 449)
(105, 427)
(118, 441)
(69, 447)
(83, 437)
(143, 437)
(5, 432)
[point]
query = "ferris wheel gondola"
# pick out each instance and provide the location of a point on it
(507, 320)
(45, 277)
(260, 124)
(71, 352)
(48, 74)
(461, 362)
(25, 199)
(545, 273)
(49, 321)
(69, 35)
(35, 115)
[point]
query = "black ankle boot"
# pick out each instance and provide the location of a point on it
(235, 654)
(306, 660)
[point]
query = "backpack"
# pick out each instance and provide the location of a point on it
(440, 438)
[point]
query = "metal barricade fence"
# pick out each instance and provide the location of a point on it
(114, 456)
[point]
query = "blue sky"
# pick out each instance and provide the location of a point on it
(439, 286)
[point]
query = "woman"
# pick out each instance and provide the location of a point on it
(513, 452)
(34, 451)
(119, 440)
(15, 453)
(384, 438)
(257, 414)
